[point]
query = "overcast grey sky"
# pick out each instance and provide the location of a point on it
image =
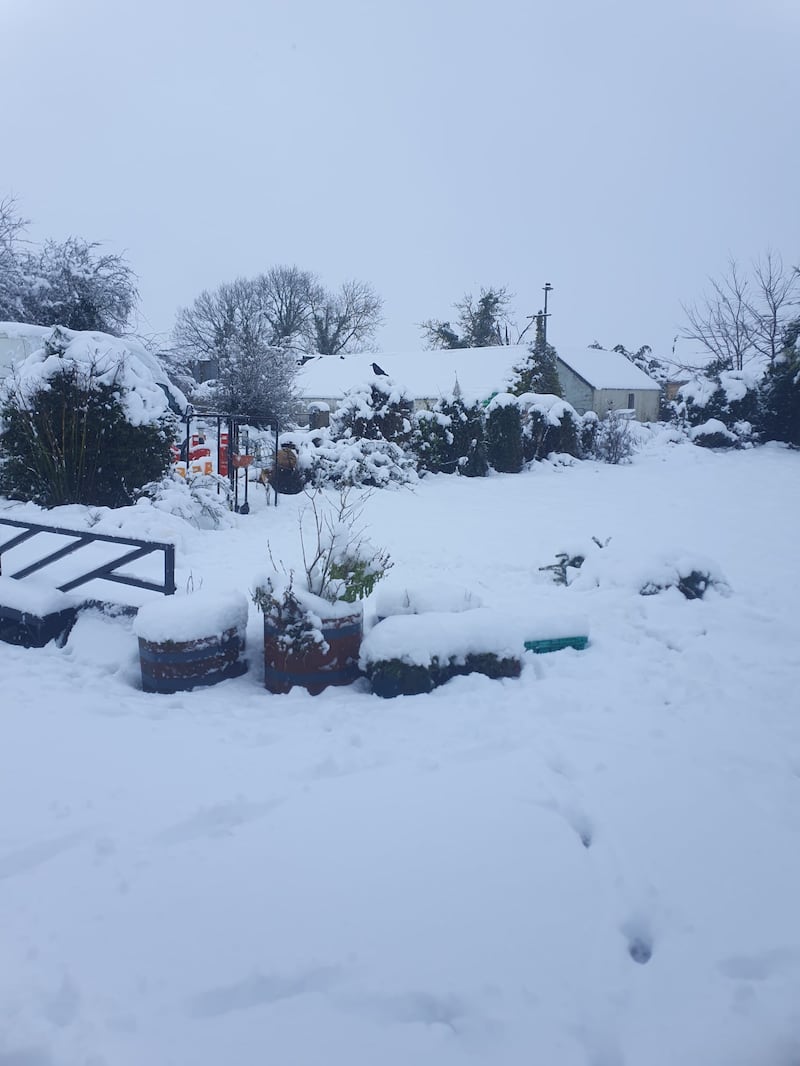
(620, 150)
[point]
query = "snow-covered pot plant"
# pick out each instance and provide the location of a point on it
(191, 641)
(313, 630)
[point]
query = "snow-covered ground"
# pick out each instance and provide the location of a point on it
(597, 864)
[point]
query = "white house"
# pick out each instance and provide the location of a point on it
(596, 380)
(480, 373)
(592, 380)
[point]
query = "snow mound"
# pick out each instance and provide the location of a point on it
(395, 598)
(642, 571)
(710, 428)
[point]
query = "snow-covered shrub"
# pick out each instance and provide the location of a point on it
(587, 433)
(504, 434)
(713, 434)
(339, 562)
(690, 576)
(466, 424)
(568, 563)
(637, 569)
(432, 442)
(780, 398)
(83, 421)
(354, 461)
(203, 500)
(549, 424)
(380, 409)
(340, 565)
(614, 442)
(731, 398)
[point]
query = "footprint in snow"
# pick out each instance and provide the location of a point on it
(258, 991)
(221, 819)
(640, 940)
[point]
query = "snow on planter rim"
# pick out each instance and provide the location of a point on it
(33, 596)
(416, 639)
(192, 617)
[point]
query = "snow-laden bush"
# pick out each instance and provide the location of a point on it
(549, 425)
(356, 461)
(713, 434)
(202, 500)
(84, 420)
(613, 440)
(432, 442)
(780, 398)
(636, 568)
(380, 409)
(730, 399)
(467, 452)
(504, 434)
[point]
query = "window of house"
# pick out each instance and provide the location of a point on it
(631, 404)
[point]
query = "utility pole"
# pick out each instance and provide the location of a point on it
(540, 318)
(547, 289)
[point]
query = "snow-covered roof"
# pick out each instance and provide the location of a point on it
(425, 374)
(607, 370)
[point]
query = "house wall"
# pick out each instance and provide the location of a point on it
(645, 403)
(576, 391)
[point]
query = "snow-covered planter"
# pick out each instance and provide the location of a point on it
(191, 641)
(32, 613)
(308, 641)
(406, 655)
(312, 635)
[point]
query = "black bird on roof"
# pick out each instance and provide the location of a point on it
(379, 371)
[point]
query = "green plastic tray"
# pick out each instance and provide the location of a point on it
(540, 647)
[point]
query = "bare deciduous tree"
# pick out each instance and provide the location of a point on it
(345, 320)
(11, 226)
(743, 317)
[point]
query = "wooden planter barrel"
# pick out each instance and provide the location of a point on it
(313, 668)
(179, 666)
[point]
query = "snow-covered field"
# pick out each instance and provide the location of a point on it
(597, 864)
